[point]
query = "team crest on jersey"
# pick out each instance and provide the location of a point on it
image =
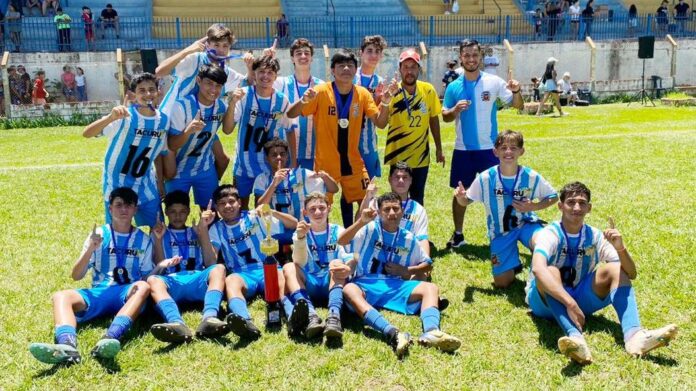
(486, 96)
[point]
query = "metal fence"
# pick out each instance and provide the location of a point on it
(42, 35)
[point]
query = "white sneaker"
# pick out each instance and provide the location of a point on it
(576, 349)
(644, 341)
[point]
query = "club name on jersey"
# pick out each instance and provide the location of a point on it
(389, 249)
(149, 133)
(262, 114)
(589, 251)
(210, 118)
(131, 252)
(190, 243)
(246, 235)
(518, 193)
(328, 247)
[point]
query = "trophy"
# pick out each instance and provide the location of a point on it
(269, 247)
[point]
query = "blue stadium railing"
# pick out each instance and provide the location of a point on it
(40, 34)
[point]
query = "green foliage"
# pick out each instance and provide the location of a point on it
(48, 120)
(677, 95)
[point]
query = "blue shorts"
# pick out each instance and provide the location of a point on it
(317, 285)
(204, 184)
(466, 164)
(389, 293)
(188, 287)
(146, 215)
(587, 300)
(372, 164)
(253, 279)
(307, 164)
(102, 301)
(504, 252)
(244, 185)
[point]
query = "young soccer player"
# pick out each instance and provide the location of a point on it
(237, 236)
(194, 279)
(388, 260)
(318, 272)
(578, 270)
(120, 256)
(195, 120)
(508, 191)
(260, 112)
(137, 139)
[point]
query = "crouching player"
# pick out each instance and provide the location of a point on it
(194, 279)
(578, 270)
(388, 258)
(318, 272)
(120, 257)
(237, 236)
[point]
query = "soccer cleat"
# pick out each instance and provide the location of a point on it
(244, 328)
(55, 353)
(315, 326)
(400, 342)
(576, 349)
(442, 303)
(171, 332)
(212, 327)
(644, 341)
(299, 319)
(439, 339)
(456, 241)
(333, 327)
(106, 348)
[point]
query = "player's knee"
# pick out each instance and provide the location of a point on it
(352, 291)
(140, 289)
(155, 283)
(289, 269)
(60, 297)
(504, 280)
(218, 270)
(430, 289)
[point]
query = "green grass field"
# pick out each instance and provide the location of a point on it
(638, 162)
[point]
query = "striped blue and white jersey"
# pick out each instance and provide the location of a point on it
(137, 248)
(322, 248)
(196, 155)
(259, 120)
(240, 243)
(184, 243)
(289, 196)
(414, 220)
(376, 247)
(184, 81)
(303, 126)
(592, 248)
(497, 197)
(368, 137)
(476, 128)
(134, 144)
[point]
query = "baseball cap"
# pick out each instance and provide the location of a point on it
(409, 54)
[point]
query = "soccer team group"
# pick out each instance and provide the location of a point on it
(299, 141)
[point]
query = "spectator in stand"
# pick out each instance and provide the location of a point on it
(13, 18)
(538, 22)
(450, 76)
(40, 94)
(81, 86)
(55, 4)
(587, 16)
(88, 21)
(69, 85)
(2, 32)
(681, 15)
(448, 6)
(662, 16)
(62, 22)
(490, 62)
(109, 19)
(28, 86)
(283, 31)
(574, 12)
(16, 85)
(553, 12)
(632, 19)
(30, 4)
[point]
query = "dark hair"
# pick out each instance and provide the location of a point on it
(343, 55)
(109, 6)
(59, 9)
(177, 197)
(467, 43)
(266, 62)
(141, 78)
(274, 143)
(84, 7)
(212, 72)
(509, 136)
(548, 73)
(575, 188)
(40, 73)
(127, 194)
(219, 32)
(388, 197)
(400, 166)
(301, 43)
(376, 40)
(223, 191)
(534, 80)
(633, 10)
(451, 64)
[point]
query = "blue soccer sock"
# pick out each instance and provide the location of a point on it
(623, 299)
(119, 326)
(66, 335)
(561, 314)
(238, 306)
(287, 305)
(211, 303)
(430, 318)
(336, 299)
(375, 320)
(302, 294)
(169, 311)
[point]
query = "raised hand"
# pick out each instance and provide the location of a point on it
(197, 46)
(159, 229)
(207, 216)
(237, 95)
(302, 229)
(512, 84)
(95, 240)
(119, 112)
(614, 236)
(248, 59)
(309, 95)
(272, 50)
(371, 190)
(367, 215)
(460, 191)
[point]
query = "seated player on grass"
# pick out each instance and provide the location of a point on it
(507, 191)
(578, 270)
(194, 279)
(120, 256)
(237, 236)
(388, 258)
(318, 271)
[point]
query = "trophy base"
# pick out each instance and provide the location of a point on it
(273, 320)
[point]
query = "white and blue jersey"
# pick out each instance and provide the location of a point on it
(476, 128)
(184, 82)
(121, 259)
(240, 243)
(184, 243)
(289, 196)
(376, 247)
(415, 219)
(497, 197)
(259, 120)
(303, 126)
(196, 155)
(322, 248)
(368, 137)
(134, 144)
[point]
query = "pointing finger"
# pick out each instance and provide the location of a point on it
(275, 44)
(94, 229)
(210, 204)
(610, 220)
(509, 74)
